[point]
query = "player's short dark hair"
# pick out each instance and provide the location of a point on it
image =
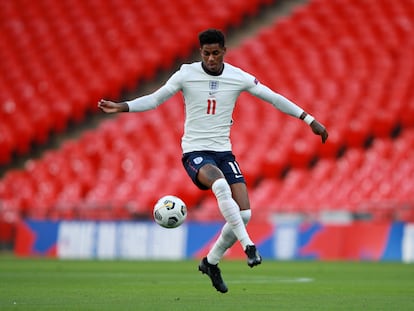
(211, 36)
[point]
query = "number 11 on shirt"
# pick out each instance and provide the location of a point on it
(211, 106)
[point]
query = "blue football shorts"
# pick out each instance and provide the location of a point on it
(224, 160)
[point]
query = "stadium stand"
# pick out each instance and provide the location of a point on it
(58, 58)
(348, 62)
(376, 181)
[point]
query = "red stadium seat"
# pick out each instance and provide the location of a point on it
(6, 144)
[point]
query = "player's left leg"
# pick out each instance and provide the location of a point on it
(225, 240)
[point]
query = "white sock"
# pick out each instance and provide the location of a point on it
(226, 239)
(230, 211)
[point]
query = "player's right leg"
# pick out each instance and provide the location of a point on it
(231, 170)
(230, 210)
(205, 174)
(203, 170)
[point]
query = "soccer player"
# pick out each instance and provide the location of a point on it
(210, 89)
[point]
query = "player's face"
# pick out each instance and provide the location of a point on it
(212, 56)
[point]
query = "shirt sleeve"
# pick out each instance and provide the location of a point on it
(153, 100)
(280, 102)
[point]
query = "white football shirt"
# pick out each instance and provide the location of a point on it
(209, 103)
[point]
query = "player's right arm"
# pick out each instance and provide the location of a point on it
(139, 104)
(112, 107)
(146, 102)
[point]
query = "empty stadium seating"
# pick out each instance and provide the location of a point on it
(59, 58)
(372, 180)
(349, 63)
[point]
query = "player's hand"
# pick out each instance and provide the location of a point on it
(319, 129)
(112, 107)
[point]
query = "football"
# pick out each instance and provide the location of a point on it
(170, 211)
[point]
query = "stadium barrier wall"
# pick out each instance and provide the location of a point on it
(368, 241)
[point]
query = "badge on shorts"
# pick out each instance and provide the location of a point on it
(198, 160)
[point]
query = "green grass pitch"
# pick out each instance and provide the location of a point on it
(46, 284)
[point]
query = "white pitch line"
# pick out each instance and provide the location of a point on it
(270, 280)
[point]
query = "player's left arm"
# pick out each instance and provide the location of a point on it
(288, 107)
(316, 126)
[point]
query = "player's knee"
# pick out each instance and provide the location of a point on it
(208, 174)
(246, 215)
(221, 189)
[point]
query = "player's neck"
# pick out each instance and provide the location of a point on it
(212, 73)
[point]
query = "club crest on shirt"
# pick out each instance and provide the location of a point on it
(213, 85)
